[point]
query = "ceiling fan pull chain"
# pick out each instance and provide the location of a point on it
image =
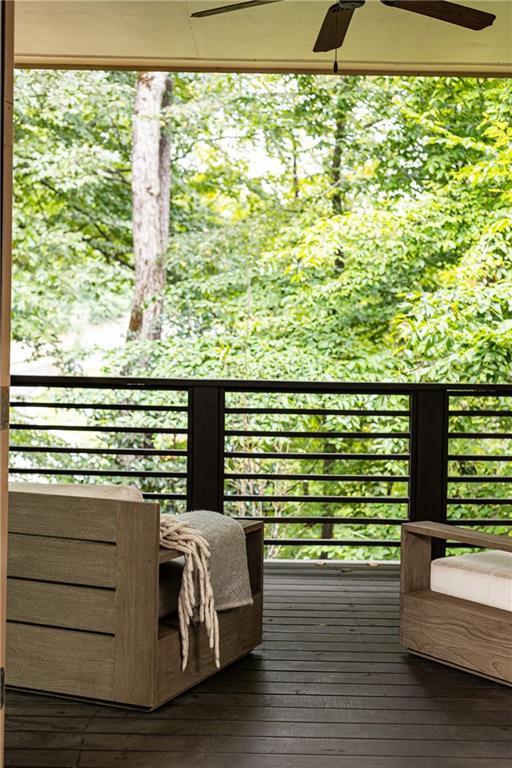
(335, 67)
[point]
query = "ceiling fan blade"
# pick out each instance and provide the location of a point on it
(334, 28)
(233, 7)
(446, 11)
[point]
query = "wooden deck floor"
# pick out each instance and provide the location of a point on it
(330, 688)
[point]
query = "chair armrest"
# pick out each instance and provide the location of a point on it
(416, 550)
(461, 535)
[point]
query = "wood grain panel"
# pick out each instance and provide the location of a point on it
(451, 701)
(265, 729)
(53, 515)
(458, 631)
(239, 632)
(250, 526)
(61, 605)
(462, 535)
(136, 602)
(229, 744)
(137, 758)
(64, 560)
(416, 556)
(254, 545)
(6, 140)
(166, 555)
(44, 658)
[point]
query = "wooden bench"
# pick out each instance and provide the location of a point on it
(458, 632)
(83, 576)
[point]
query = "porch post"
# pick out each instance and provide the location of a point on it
(429, 459)
(205, 459)
(6, 100)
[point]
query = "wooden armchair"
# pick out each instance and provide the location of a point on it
(459, 632)
(82, 609)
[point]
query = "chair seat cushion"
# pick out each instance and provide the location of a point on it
(482, 577)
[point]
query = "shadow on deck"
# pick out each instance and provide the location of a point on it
(330, 688)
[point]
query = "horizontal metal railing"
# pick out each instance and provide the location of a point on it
(315, 465)
(324, 465)
(479, 458)
(81, 430)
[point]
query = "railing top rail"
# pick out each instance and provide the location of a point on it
(238, 385)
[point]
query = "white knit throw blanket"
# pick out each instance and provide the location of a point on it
(198, 536)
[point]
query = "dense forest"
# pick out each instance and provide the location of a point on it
(303, 227)
(319, 227)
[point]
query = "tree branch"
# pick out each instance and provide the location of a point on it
(104, 235)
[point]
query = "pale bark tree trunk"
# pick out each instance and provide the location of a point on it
(151, 187)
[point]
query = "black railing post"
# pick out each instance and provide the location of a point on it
(429, 459)
(205, 471)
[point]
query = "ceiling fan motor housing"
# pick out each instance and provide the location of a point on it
(350, 5)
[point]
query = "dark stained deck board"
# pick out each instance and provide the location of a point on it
(102, 759)
(330, 688)
(264, 745)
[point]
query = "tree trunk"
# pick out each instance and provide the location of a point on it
(295, 168)
(337, 154)
(151, 187)
(346, 98)
(338, 194)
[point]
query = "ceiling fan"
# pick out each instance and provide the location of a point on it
(337, 20)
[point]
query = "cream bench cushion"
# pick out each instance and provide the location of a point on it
(482, 577)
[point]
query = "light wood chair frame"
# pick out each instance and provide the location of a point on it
(82, 604)
(460, 633)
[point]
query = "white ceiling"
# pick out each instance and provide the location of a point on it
(160, 34)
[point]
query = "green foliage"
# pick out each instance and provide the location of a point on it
(321, 228)
(72, 229)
